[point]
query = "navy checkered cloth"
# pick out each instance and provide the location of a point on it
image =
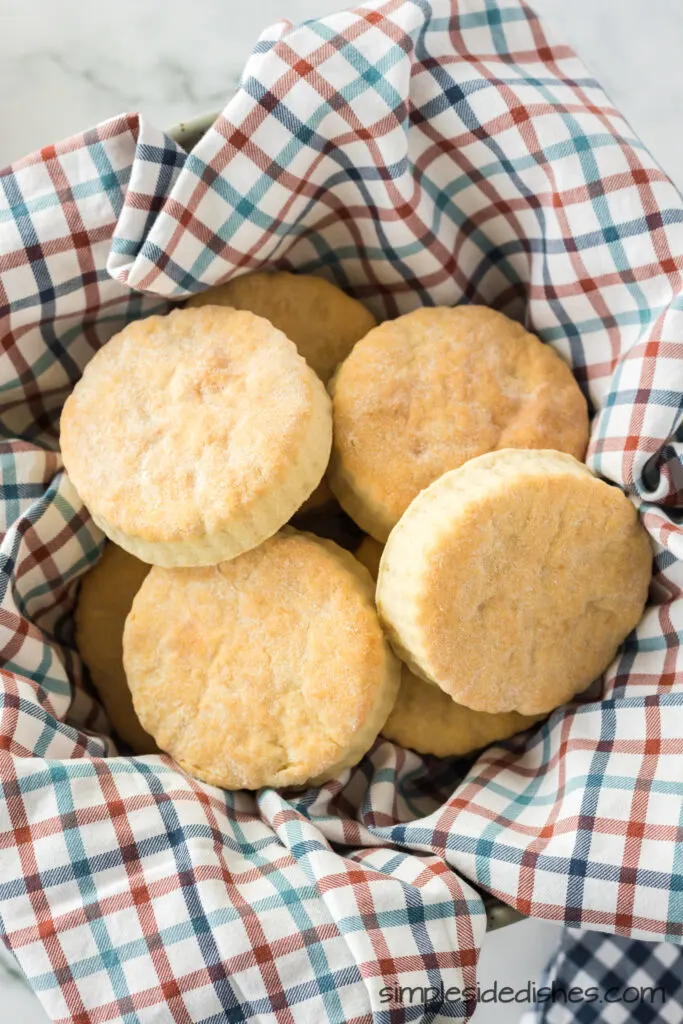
(610, 979)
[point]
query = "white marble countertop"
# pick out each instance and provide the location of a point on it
(67, 65)
(64, 66)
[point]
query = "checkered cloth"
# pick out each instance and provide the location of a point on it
(413, 153)
(609, 979)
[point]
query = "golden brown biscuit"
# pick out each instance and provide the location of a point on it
(511, 581)
(269, 670)
(424, 393)
(369, 554)
(426, 719)
(193, 437)
(104, 599)
(319, 318)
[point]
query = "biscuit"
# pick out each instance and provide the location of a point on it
(269, 670)
(422, 394)
(427, 720)
(369, 554)
(195, 436)
(104, 599)
(511, 581)
(323, 322)
(321, 497)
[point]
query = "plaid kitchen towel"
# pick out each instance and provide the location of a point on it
(413, 153)
(610, 979)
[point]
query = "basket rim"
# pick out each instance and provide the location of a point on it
(188, 133)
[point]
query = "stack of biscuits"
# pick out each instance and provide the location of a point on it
(321, 529)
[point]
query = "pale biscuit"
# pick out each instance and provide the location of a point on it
(104, 600)
(323, 322)
(427, 720)
(269, 670)
(195, 436)
(424, 393)
(511, 581)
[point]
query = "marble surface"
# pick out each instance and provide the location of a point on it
(67, 65)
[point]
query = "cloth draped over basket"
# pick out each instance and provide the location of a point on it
(413, 153)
